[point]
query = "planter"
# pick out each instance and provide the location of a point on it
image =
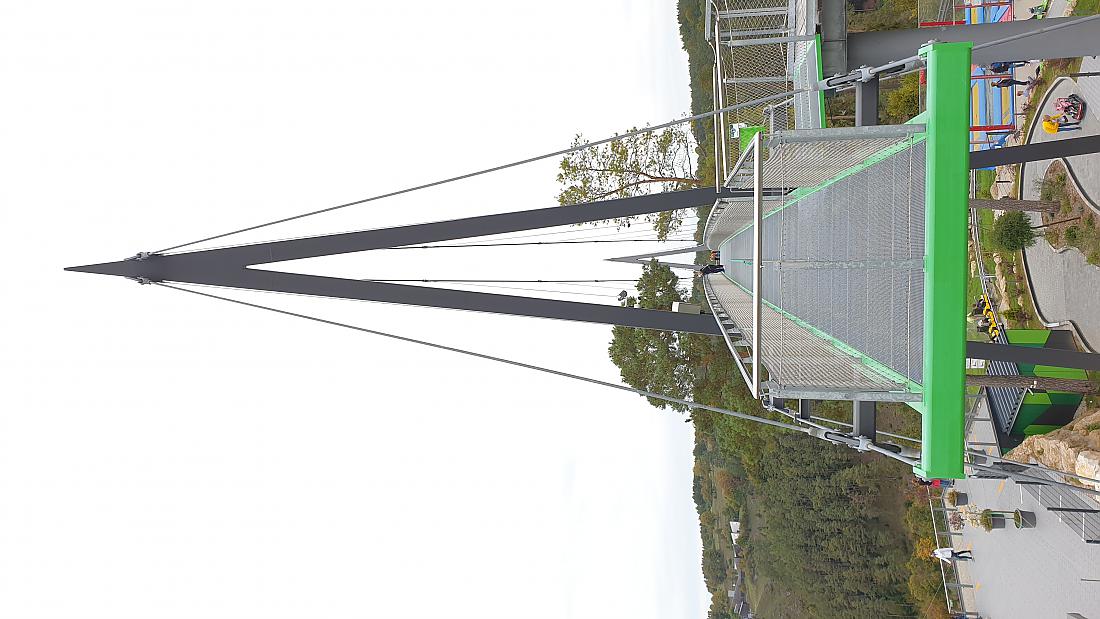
(1023, 519)
(990, 520)
(955, 498)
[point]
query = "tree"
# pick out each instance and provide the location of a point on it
(1012, 231)
(903, 102)
(652, 162)
(649, 359)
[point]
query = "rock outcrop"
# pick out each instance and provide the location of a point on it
(1074, 448)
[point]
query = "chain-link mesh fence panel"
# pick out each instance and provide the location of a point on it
(750, 71)
(938, 11)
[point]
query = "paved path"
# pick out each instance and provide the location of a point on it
(1064, 285)
(1034, 573)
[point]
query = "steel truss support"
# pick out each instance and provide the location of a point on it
(644, 258)
(232, 267)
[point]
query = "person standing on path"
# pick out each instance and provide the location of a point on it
(948, 554)
(1007, 82)
(1005, 67)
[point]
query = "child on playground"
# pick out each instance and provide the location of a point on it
(1057, 124)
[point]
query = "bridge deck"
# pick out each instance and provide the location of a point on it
(847, 259)
(855, 258)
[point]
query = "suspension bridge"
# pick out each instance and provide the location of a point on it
(844, 249)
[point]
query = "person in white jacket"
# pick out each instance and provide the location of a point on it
(947, 554)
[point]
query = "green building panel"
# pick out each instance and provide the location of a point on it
(1043, 411)
(1027, 337)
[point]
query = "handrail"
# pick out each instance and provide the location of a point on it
(757, 266)
(712, 300)
(954, 569)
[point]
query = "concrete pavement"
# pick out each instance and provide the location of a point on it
(1039, 573)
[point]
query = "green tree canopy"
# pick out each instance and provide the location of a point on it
(903, 102)
(652, 162)
(1012, 231)
(649, 359)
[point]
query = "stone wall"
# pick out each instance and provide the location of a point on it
(1074, 448)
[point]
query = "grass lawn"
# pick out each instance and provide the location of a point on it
(984, 180)
(1086, 7)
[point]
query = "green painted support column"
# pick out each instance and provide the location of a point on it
(945, 267)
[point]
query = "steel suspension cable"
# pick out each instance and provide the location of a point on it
(557, 153)
(595, 381)
(509, 281)
(527, 243)
(602, 295)
(470, 353)
(567, 151)
(580, 230)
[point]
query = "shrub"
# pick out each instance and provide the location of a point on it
(1012, 231)
(1053, 188)
(955, 520)
(1071, 234)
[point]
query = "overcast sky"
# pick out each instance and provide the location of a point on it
(164, 455)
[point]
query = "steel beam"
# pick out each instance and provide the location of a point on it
(758, 12)
(876, 48)
(867, 103)
(769, 40)
(1039, 356)
(230, 267)
(449, 230)
(756, 80)
(754, 33)
(834, 38)
(1038, 151)
(863, 418)
(805, 409)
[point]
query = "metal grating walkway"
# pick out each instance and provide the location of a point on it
(816, 364)
(846, 259)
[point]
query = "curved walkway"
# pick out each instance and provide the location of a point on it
(1064, 286)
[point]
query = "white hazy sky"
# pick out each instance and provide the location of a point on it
(164, 455)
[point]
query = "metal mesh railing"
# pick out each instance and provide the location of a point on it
(762, 47)
(796, 159)
(841, 261)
